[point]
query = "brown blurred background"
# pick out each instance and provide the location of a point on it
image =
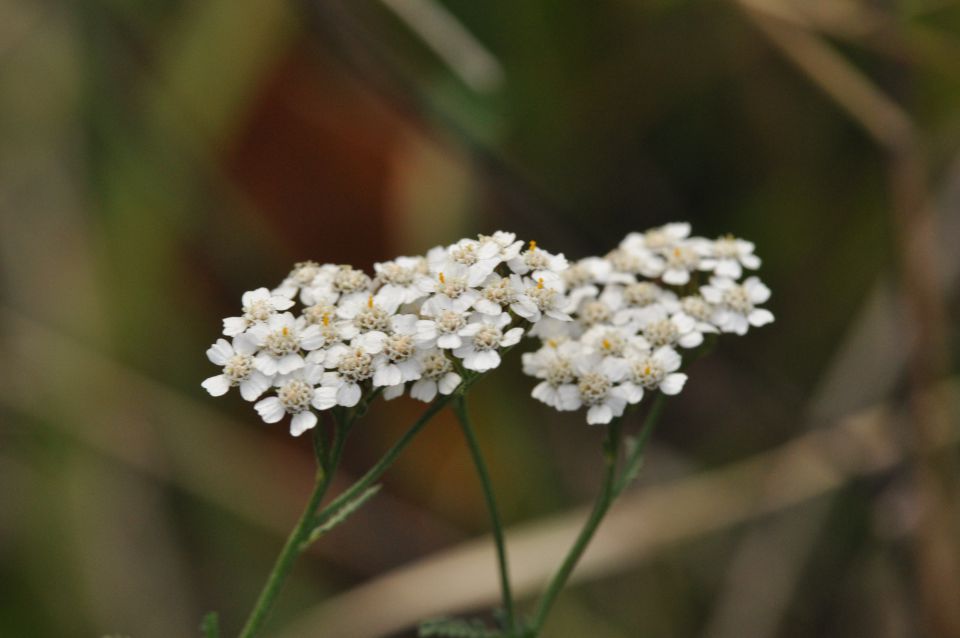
(158, 158)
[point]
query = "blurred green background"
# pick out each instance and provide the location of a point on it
(158, 158)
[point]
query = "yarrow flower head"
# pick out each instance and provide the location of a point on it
(611, 328)
(659, 293)
(425, 322)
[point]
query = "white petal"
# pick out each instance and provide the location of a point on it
(599, 414)
(270, 409)
(252, 388)
(233, 326)
(324, 397)
(449, 382)
(673, 383)
(668, 358)
(449, 341)
(290, 362)
(511, 337)
(266, 364)
(568, 398)
(393, 392)
(487, 307)
(387, 375)
(676, 277)
(244, 344)
(302, 422)
(760, 317)
(311, 338)
(404, 324)
(220, 352)
(217, 386)
(349, 395)
(481, 360)
(424, 390)
(545, 393)
(280, 302)
(756, 290)
(690, 340)
(371, 341)
(632, 392)
(728, 268)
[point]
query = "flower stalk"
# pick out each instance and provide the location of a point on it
(460, 409)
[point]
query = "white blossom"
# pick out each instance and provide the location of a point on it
(437, 375)
(482, 337)
(258, 306)
(281, 340)
(239, 368)
(296, 394)
(735, 303)
(728, 256)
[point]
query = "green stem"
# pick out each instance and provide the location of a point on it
(374, 473)
(310, 518)
(611, 446)
(634, 460)
(460, 409)
(611, 488)
(284, 563)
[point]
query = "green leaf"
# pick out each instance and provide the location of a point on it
(211, 625)
(340, 515)
(456, 628)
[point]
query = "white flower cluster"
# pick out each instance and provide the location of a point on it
(420, 321)
(634, 311)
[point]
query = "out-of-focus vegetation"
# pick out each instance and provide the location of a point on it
(159, 158)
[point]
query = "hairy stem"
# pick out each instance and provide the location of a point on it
(460, 409)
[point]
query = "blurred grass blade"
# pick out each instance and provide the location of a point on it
(211, 625)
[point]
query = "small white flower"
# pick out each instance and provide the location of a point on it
(655, 371)
(280, 340)
(542, 294)
(507, 243)
(238, 368)
(373, 314)
(612, 341)
(479, 257)
(682, 259)
(351, 365)
(258, 306)
(482, 337)
(661, 238)
(735, 303)
(701, 311)
(534, 259)
(445, 318)
(452, 281)
(728, 256)
(396, 363)
(437, 376)
(498, 293)
(301, 276)
(679, 329)
(296, 394)
(554, 364)
(398, 278)
(598, 390)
